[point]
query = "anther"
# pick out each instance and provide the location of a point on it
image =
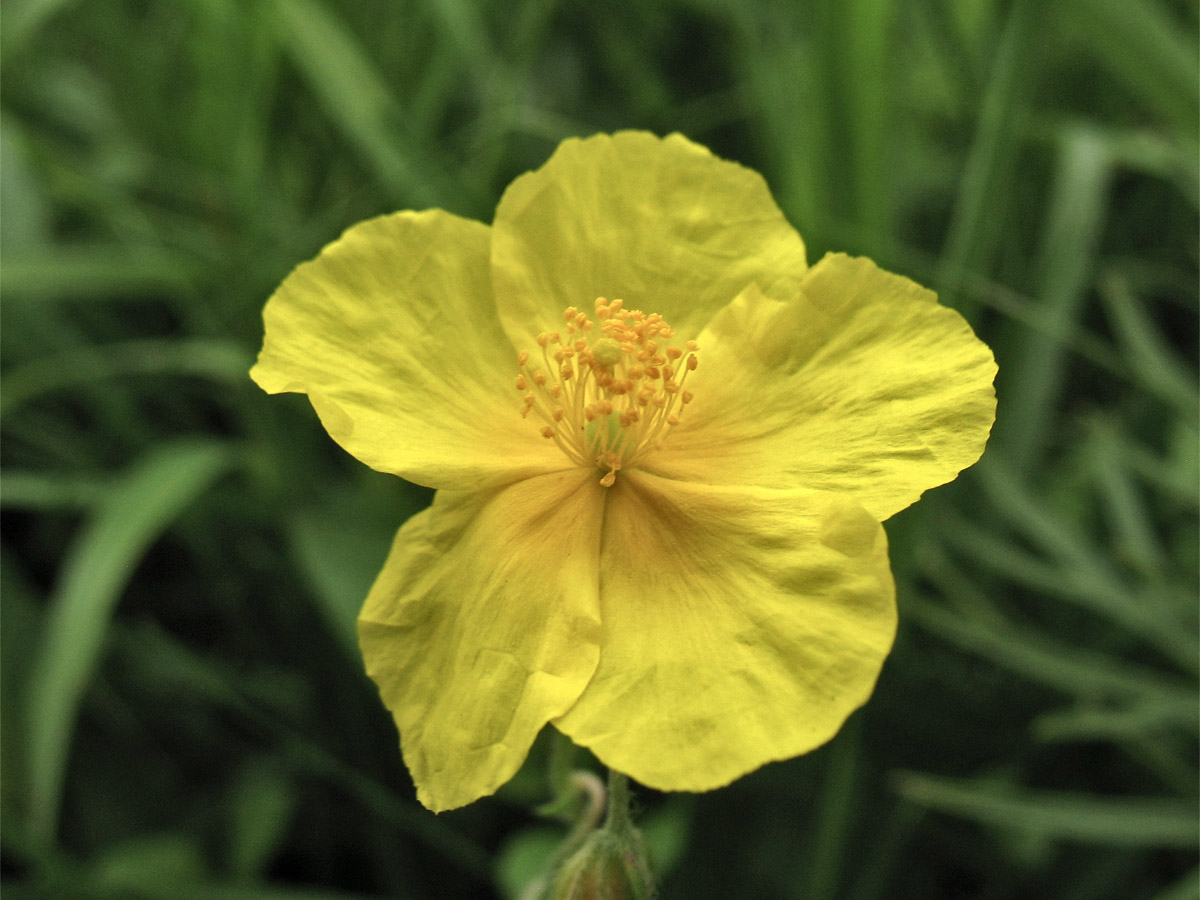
(605, 400)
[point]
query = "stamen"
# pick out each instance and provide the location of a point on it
(608, 401)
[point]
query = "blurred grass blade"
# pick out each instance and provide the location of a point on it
(217, 359)
(778, 74)
(462, 22)
(1143, 611)
(342, 555)
(1144, 150)
(22, 194)
(1080, 572)
(380, 801)
(1137, 41)
(261, 803)
(892, 829)
(1037, 368)
(1187, 888)
(93, 271)
(1036, 317)
(354, 95)
(1076, 672)
(979, 212)
(1149, 717)
(249, 892)
(84, 886)
(856, 45)
(127, 866)
(20, 632)
(179, 672)
(1059, 815)
(1175, 473)
(1132, 522)
(37, 490)
(1151, 358)
(834, 815)
(103, 558)
(21, 19)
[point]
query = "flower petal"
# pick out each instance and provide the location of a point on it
(659, 223)
(861, 383)
(392, 333)
(483, 626)
(741, 626)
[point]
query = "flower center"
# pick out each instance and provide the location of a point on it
(608, 399)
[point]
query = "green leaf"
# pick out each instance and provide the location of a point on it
(150, 495)
(341, 545)
(149, 861)
(668, 830)
(261, 803)
(524, 859)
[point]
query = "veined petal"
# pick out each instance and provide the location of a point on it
(483, 626)
(861, 383)
(660, 223)
(740, 626)
(392, 333)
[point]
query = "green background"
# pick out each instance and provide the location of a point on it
(184, 713)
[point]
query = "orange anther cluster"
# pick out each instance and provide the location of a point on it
(607, 392)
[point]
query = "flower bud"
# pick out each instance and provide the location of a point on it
(611, 865)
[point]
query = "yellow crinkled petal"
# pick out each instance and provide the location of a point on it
(392, 333)
(660, 223)
(484, 625)
(740, 626)
(861, 383)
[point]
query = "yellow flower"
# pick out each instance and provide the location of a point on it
(657, 514)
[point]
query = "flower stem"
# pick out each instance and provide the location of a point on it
(618, 801)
